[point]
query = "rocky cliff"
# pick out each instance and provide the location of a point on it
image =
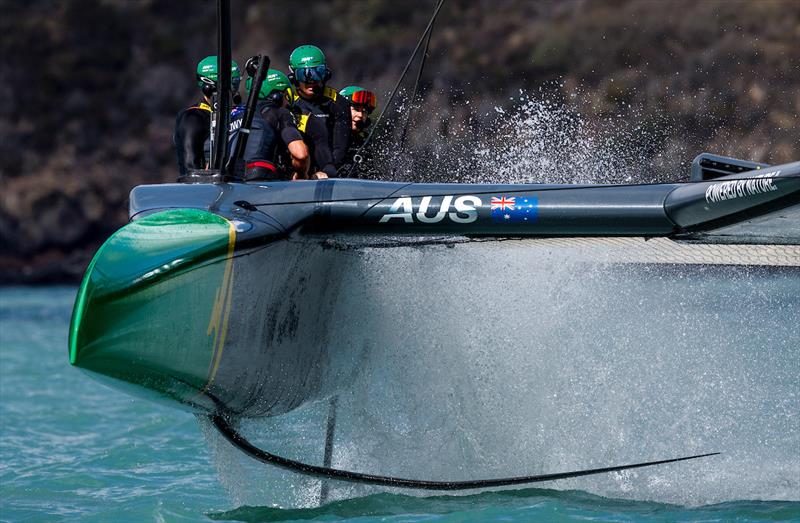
(91, 89)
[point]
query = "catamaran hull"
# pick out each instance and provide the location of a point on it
(242, 298)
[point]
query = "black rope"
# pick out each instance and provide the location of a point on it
(396, 86)
(414, 91)
(241, 443)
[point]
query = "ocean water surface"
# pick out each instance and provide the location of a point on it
(72, 449)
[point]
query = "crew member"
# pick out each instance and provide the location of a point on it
(323, 115)
(362, 104)
(193, 124)
(275, 149)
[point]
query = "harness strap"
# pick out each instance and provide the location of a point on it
(302, 122)
(327, 92)
(202, 106)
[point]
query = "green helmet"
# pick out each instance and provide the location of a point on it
(306, 56)
(348, 91)
(207, 72)
(275, 81)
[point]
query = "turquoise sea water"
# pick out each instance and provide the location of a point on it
(72, 449)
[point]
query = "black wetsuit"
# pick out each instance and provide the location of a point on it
(350, 168)
(325, 124)
(192, 131)
(266, 155)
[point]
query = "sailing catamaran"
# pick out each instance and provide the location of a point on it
(217, 296)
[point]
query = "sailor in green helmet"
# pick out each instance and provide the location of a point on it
(362, 103)
(193, 124)
(322, 115)
(275, 149)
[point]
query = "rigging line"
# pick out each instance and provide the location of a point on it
(241, 443)
(414, 92)
(396, 86)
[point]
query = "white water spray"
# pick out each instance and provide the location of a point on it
(490, 360)
(534, 140)
(481, 360)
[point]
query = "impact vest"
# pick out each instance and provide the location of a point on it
(191, 132)
(325, 126)
(261, 154)
(351, 167)
(207, 143)
(303, 114)
(237, 113)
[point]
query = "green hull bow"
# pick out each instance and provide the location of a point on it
(153, 308)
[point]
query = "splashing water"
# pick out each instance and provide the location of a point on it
(481, 360)
(493, 359)
(536, 140)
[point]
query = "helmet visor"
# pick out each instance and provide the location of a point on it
(365, 98)
(311, 74)
(212, 82)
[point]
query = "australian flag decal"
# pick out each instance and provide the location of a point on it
(517, 209)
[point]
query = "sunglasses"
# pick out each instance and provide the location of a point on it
(315, 74)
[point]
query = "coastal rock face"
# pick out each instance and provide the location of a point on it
(91, 89)
(51, 225)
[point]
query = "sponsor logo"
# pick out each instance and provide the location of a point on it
(517, 209)
(461, 209)
(759, 184)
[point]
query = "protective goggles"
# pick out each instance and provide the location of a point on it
(365, 98)
(213, 83)
(311, 74)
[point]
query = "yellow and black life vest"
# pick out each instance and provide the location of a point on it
(302, 116)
